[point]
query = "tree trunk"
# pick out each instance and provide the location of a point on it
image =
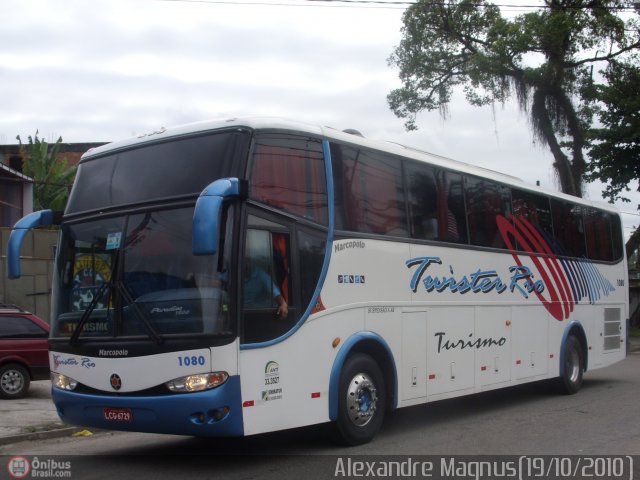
(544, 128)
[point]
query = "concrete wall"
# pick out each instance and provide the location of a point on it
(33, 290)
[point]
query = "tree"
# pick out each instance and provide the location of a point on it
(544, 58)
(51, 173)
(614, 142)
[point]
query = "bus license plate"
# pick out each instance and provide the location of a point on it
(118, 414)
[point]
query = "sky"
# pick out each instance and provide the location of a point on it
(105, 70)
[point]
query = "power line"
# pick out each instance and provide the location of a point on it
(390, 4)
(369, 4)
(630, 213)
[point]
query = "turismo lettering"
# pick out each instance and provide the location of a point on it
(481, 281)
(461, 344)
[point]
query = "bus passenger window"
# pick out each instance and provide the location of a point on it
(568, 228)
(436, 204)
(369, 192)
(311, 249)
(597, 227)
(534, 209)
(266, 286)
(485, 201)
(452, 226)
(288, 173)
(260, 288)
(423, 201)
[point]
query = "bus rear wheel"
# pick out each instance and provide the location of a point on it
(570, 380)
(362, 400)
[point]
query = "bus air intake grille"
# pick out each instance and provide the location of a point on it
(612, 329)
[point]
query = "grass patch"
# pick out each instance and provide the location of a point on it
(634, 332)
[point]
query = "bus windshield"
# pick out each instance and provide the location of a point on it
(135, 275)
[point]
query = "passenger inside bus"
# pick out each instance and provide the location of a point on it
(260, 285)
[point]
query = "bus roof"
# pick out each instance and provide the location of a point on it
(285, 125)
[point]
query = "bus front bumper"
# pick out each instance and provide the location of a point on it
(211, 413)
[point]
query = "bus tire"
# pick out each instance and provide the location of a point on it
(570, 380)
(14, 381)
(362, 400)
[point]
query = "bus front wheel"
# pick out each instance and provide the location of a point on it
(362, 400)
(570, 380)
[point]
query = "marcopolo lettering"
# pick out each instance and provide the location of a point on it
(338, 247)
(123, 352)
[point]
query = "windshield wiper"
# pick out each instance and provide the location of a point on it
(87, 312)
(142, 315)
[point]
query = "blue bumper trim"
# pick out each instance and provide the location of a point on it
(198, 414)
(573, 325)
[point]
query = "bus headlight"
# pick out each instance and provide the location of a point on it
(197, 383)
(63, 382)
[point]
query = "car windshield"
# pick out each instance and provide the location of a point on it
(135, 275)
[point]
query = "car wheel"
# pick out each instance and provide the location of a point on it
(14, 381)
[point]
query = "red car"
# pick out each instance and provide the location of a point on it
(24, 351)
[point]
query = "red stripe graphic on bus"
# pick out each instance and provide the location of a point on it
(558, 304)
(567, 281)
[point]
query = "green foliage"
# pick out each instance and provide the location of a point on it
(544, 58)
(51, 173)
(615, 143)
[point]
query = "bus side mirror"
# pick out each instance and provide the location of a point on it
(42, 218)
(207, 215)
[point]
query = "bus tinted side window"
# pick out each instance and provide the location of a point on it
(267, 281)
(288, 173)
(485, 201)
(598, 233)
(569, 228)
(616, 237)
(422, 190)
(311, 248)
(436, 204)
(369, 192)
(451, 209)
(535, 210)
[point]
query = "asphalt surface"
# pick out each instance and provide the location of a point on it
(35, 417)
(31, 417)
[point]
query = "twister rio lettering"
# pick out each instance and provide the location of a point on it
(482, 281)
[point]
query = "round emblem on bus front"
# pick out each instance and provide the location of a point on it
(116, 381)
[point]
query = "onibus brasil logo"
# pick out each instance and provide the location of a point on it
(21, 467)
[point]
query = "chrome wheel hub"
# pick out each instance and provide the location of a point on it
(573, 366)
(361, 400)
(11, 381)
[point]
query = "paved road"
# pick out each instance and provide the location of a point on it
(530, 419)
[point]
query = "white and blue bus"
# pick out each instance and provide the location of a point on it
(250, 275)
